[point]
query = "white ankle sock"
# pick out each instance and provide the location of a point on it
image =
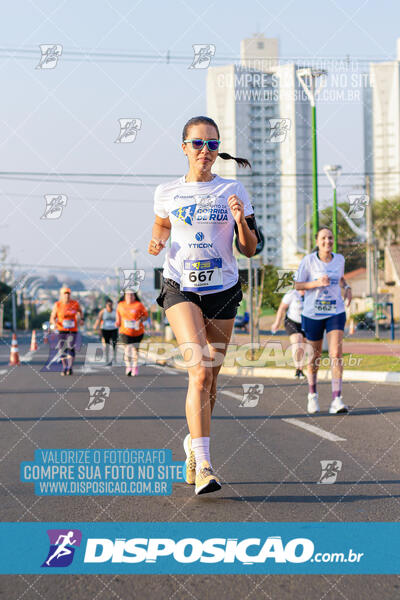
(201, 449)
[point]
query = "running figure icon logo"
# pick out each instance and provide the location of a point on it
(330, 470)
(357, 205)
(285, 281)
(208, 201)
(251, 394)
(54, 206)
(128, 130)
(62, 547)
(60, 347)
(97, 397)
(203, 54)
(278, 130)
(131, 279)
(185, 213)
(50, 53)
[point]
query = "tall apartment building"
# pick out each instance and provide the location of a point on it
(263, 116)
(382, 128)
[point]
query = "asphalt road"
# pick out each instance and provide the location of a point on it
(269, 467)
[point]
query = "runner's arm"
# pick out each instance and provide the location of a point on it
(160, 234)
(279, 316)
(347, 290)
(53, 316)
(99, 318)
(310, 285)
(247, 237)
(144, 315)
(118, 319)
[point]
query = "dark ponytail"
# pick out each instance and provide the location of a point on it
(242, 162)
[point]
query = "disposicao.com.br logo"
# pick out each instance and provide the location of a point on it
(247, 551)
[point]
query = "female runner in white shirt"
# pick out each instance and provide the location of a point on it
(321, 275)
(201, 290)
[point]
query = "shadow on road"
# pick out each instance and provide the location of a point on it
(309, 499)
(87, 417)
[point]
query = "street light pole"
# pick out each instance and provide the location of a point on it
(134, 255)
(307, 78)
(314, 168)
(332, 172)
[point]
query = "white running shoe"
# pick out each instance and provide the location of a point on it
(338, 407)
(190, 463)
(312, 405)
(206, 480)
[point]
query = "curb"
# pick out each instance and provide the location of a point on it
(272, 372)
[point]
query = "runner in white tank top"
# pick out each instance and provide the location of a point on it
(109, 330)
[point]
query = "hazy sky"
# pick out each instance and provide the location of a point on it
(66, 119)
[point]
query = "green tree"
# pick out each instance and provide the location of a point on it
(386, 220)
(5, 299)
(37, 320)
(270, 298)
(352, 248)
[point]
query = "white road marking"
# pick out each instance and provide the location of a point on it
(228, 393)
(317, 430)
(166, 370)
(87, 370)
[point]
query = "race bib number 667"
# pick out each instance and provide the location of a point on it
(200, 275)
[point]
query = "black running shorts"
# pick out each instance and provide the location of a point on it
(110, 335)
(219, 305)
(130, 339)
(293, 327)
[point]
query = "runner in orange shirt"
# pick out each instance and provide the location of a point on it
(65, 317)
(130, 316)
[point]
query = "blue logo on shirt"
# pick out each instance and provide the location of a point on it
(185, 213)
(199, 236)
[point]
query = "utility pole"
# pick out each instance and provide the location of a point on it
(372, 257)
(250, 287)
(308, 232)
(369, 263)
(376, 284)
(333, 172)
(14, 310)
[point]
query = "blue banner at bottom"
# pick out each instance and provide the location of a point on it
(195, 548)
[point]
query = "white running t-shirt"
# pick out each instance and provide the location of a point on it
(200, 258)
(295, 302)
(322, 302)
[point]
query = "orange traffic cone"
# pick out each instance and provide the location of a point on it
(14, 354)
(34, 345)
